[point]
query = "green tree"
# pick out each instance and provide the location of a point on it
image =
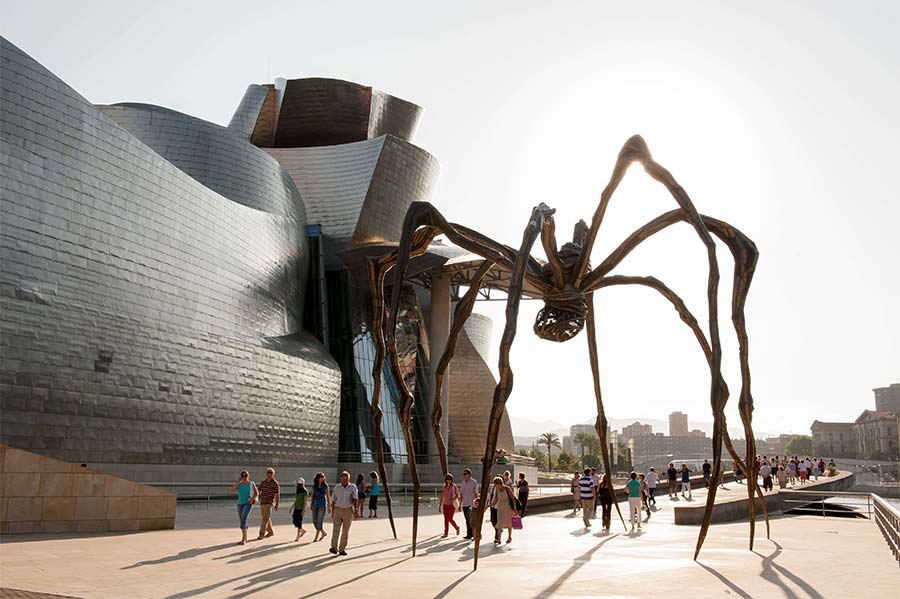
(551, 440)
(540, 460)
(587, 443)
(800, 446)
(566, 462)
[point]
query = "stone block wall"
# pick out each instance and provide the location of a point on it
(42, 495)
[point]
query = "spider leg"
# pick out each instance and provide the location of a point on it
(420, 226)
(601, 423)
(745, 255)
(460, 315)
(548, 240)
(720, 431)
(505, 383)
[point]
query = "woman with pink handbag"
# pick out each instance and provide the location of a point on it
(247, 494)
(502, 499)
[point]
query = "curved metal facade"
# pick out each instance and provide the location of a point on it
(472, 384)
(154, 269)
(146, 317)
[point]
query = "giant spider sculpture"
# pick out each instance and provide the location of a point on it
(567, 283)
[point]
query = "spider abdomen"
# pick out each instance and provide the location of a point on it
(562, 316)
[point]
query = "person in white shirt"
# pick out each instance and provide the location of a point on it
(596, 480)
(652, 481)
(468, 491)
(765, 471)
(343, 502)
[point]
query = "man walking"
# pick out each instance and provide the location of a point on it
(707, 472)
(588, 494)
(672, 475)
(343, 501)
(269, 497)
(468, 491)
(652, 481)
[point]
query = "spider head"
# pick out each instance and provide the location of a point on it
(562, 316)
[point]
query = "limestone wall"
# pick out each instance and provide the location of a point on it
(42, 495)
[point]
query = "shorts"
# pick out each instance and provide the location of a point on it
(297, 517)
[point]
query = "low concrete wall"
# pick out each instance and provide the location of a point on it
(559, 501)
(42, 495)
(736, 509)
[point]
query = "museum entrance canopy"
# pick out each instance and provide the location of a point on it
(441, 259)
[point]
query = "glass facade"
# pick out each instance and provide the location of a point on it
(350, 342)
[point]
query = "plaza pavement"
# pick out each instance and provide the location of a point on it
(554, 556)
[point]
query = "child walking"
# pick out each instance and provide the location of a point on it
(299, 507)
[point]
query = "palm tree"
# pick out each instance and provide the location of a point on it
(550, 440)
(584, 441)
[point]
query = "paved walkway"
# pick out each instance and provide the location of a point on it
(554, 556)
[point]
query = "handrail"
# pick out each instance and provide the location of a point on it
(886, 516)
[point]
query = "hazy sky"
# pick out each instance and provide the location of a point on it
(781, 118)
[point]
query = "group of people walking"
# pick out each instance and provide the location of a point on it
(344, 501)
(507, 500)
(785, 470)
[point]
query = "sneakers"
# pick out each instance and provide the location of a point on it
(332, 550)
(343, 553)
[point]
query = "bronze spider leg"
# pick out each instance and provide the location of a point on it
(601, 423)
(378, 268)
(422, 223)
(460, 315)
(688, 318)
(636, 150)
(505, 383)
(376, 286)
(745, 255)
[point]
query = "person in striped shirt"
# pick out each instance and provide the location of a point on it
(587, 492)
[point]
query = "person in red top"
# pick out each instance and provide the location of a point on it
(449, 495)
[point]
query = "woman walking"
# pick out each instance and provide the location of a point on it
(634, 500)
(299, 507)
(502, 499)
(247, 494)
(645, 494)
(449, 503)
(606, 500)
(576, 492)
(360, 496)
(522, 486)
(686, 482)
(781, 476)
(321, 499)
(374, 492)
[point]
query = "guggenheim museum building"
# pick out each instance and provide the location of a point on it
(181, 299)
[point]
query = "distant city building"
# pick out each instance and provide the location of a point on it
(654, 447)
(678, 425)
(876, 434)
(636, 429)
(887, 399)
(778, 445)
(697, 433)
(833, 438)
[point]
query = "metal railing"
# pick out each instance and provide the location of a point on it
(401, 493)
(884, 514)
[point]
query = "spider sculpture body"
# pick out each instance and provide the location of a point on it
(567, 283)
